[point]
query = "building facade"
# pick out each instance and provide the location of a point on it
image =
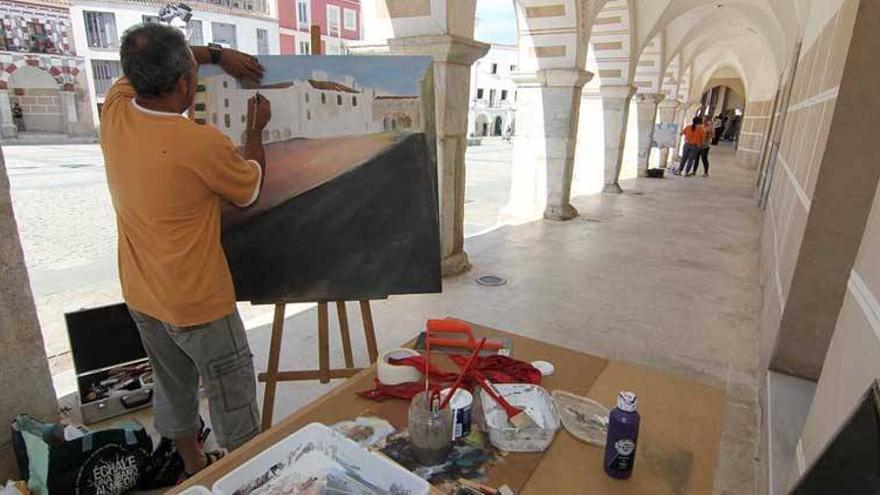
(492, 102)
(313, 108)
(246, 25)
(40, 72)
(340, 22)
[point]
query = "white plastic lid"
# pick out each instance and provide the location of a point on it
(546, 368)
(627, 401)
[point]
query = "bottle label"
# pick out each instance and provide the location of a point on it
(625, 449)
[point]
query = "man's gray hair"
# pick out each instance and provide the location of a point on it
(154, 56)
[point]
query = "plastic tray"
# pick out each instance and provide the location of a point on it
(537, 402)
(196, 490)
(311, 446)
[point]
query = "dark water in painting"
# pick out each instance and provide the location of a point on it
(367, 234)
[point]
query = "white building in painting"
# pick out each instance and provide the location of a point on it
(492, 107)
(98, 25)
(313, 108)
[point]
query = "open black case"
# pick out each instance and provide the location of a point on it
(113, 373)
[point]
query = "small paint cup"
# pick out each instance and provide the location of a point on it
(461, 404)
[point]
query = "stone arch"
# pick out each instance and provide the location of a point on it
(761, 36)
(37, 93)
(481, 125)
(611, 42)
(63, 71)
(498, 126)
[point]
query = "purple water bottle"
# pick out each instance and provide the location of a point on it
(623, 433)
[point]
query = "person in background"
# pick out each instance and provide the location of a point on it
(168, 177)
(18, 117)
(694, 135)
(718, 124)
(731, 128)
(711, 137)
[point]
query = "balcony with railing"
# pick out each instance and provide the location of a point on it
(252, 6)
(486, 104)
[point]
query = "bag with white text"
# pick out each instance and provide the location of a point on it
(57, 459)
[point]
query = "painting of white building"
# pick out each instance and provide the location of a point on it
(316, 105)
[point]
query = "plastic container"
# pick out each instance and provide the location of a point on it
(429, 433)
(540, 407)
(316, 449)
(584, 418)
(196, 490)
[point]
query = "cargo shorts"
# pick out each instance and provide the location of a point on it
(217, 353)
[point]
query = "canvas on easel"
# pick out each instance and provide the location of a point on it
(348, 209)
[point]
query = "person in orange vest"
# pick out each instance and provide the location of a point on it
(704, 150)
(694, 135)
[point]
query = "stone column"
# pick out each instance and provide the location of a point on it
(667, 110)
(453, 56)
(680, 114)
(68, 112)
(24, 372)
(647, 108)
(615, 111)
(7, 126)
(548, 106)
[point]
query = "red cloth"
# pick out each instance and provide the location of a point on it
(498, 369)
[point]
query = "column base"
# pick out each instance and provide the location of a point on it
(9, 131)
(612, 189)
(454, 264)
(643, 172)
(560, 213)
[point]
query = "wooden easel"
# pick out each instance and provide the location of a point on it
(324, 374)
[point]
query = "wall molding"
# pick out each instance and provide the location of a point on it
(779, 293)
(866, 300)
(801, 194)
(815, 99)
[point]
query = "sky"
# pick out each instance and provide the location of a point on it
(496, 22)
(394, 75)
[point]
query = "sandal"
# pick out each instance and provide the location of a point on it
(210, 458)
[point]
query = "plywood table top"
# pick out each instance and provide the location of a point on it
(678, 443)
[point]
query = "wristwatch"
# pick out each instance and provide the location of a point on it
(216, 51)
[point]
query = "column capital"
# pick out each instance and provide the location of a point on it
(442, 47)
(654, 98)
(622, 92)
(553, 78)
(670, 104)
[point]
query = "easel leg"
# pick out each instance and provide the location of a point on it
(345, 334)
(323, 344)
(270, 378)
(369, 331)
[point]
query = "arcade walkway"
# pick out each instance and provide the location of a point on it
(665, 275)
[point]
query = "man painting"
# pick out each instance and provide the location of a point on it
(167, 177)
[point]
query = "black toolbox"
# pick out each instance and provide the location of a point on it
(113, 373)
